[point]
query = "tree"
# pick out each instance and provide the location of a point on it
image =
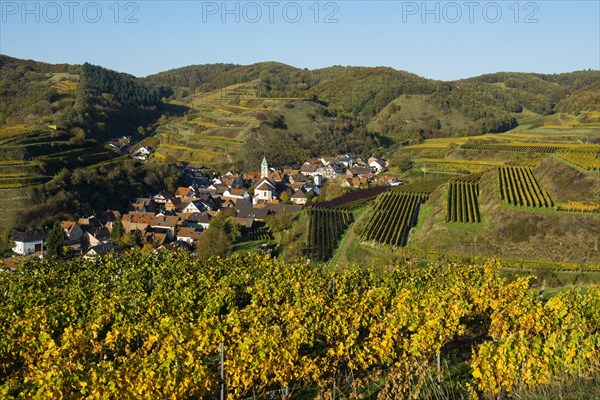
(213, 242)
(278, 122)
(403, 161)
(131, 239)
(227, 225)
(117, 230)
(56, 241)
(279, 222)
(285, 197)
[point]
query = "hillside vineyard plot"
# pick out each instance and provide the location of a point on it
(518, 187)
(395, 213)
(512, 148)
(586, 160)
(326, 226)
(462, 205)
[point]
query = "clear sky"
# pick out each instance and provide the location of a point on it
(440, 40)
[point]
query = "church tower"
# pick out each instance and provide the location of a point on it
(264, 169)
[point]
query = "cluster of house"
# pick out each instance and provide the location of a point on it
(354, 172)
(173, 220)
(88, 235)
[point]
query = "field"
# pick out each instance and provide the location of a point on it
(132, 329)
(462, 200)
(394, 215)
(543, 170)
(326, 226)
(218, 123)
(578, 206)
(587, 160)
(519, 187)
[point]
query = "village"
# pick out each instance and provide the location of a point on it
(177, 220)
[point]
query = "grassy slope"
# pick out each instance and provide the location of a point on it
(509, 232)
(214, 130)
(565, 183)
(411, 112)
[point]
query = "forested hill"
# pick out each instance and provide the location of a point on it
(100, 103)
(396, 103)
(87, 101)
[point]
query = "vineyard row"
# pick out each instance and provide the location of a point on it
(462, 205)
(395, 214)
(325, 228)
(519, 187)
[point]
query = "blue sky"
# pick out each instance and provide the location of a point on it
(440, 40)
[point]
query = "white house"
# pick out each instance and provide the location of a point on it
(326, 171)
(377, 165)
(199, 221)
(193, 207)
(73, 232)
(236, 193)
(29, 242)
(188, 235)
(141, 153)
(161, 197)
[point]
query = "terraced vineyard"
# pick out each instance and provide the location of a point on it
(525, 148)
(326, 226)
(519, 187)
(462, 205)
(17, 174)
(453, 166)
(395, 214)
(586, 160)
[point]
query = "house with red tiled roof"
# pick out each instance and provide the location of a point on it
(276, 176)
(184, 192)
(136, 221)
(136, 207)
(73, 232)
(156, 239)
(251, 176)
